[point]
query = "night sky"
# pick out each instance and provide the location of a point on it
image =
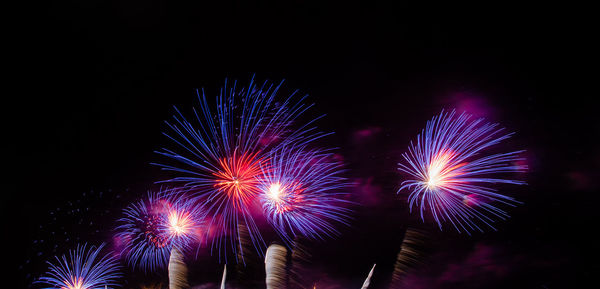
(96, 80)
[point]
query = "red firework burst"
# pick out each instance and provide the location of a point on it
(239, 177)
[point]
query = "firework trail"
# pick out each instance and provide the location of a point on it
(218, 155)
(300, 259)
(82, 269)
(152, 227)
(275, 266)
(177, 270)
(368, 280)
(250, 262)
(223, 278)
(302, 193)
(451, 175)
(408, 256)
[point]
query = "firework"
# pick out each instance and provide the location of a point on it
(223, 278)
(408, 256)
(182, 219)
(83, 268)
(451, 175)
(302, 193)
(152, 227)
(275, 266)
(219, 154)
(177, 270)
(368, 280)
(145, 244)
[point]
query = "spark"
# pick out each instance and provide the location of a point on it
(452, 176)
(82, 268)
(218, 155)
(302, 193)
(153, 226)
(238, 178)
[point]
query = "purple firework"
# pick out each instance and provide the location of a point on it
(182, 220)
(218, 155)
(302, 192)
(83, 268)
(451, 175)
(152, 227)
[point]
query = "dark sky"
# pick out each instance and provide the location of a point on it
(95, 80)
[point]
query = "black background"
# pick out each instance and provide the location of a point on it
(95, 80)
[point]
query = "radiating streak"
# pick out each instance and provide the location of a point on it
(82, 268)
(216, 153)
(453, 178)
(303, 193)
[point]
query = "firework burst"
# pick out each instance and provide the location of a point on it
(152, 227)
(183, 220)
(83, 268)
(146, 245)
(451, 175)
(302, 193)
(218, 156)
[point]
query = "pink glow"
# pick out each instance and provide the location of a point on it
(475, 105)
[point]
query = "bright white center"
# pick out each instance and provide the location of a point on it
(274, 191)
(432, 182)
(175, 224)
(435, 172)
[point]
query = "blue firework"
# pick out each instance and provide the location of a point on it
(218, 154)
(152, 227)
(302, 192)
(145, 245)
(182, 220)
(453, 177)
(82, 268)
